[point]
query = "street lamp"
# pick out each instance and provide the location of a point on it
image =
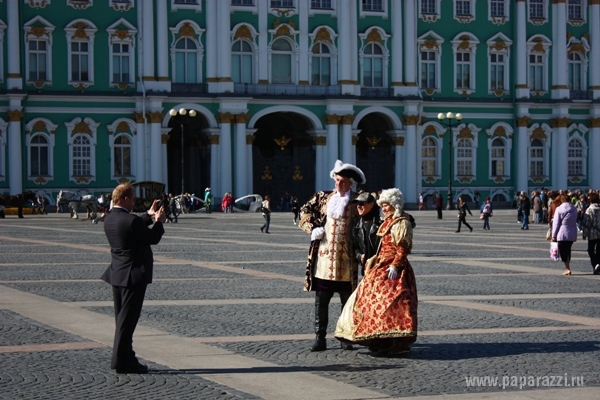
(450, 120)
(182, 116)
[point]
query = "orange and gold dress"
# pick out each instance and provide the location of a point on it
(382, 313)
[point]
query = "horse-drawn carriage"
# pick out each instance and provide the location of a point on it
(76, 200)
(145, 193)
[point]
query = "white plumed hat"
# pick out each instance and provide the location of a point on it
(348, 171)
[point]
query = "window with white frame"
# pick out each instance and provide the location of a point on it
(498, 8)
(38, 57)
(373, 65)
(463, 7)
(39, 151)
(497, 71)
(536, 72)
(372, 5)
(429, 151)
(122, 155)
(464, 157)
(575, 158)
(282, 3)
(536, 159)
(121, 39)
(195, 5)
(498, 158)
(81, 52)
(242, 62)
(428, 70)
(242, 2)
(320, 4)
(463, 70)
(575, 9)
(81, 156)
(186, 61)
(537, 9)
(281, 61)
(429, 7)
(121, 57)
(575, 68)
(320, 65)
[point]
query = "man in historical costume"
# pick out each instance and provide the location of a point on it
(331, 266)
(364, 233)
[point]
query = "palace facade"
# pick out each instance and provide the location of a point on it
(262, 96)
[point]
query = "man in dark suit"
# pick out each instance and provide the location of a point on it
(130, 271)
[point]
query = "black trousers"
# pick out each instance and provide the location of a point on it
(594, 251)
(322, 299)
(462, 219)
(128, 307)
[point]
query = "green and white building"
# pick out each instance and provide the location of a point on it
(283, 88)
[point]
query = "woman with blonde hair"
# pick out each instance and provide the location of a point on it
(382, 311)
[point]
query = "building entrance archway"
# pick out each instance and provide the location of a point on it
(196, 156)
(375, 152)
(283, 157)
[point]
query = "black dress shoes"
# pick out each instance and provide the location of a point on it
(134, 368)
(320, 344)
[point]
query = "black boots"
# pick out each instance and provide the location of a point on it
(321, 320)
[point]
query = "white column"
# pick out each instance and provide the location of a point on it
(250, 161)
(344, 51)
(140, 147)
(346, 138)
(354, 45)
(224, 50)
(320, 141)
(148, 42)
(215, 171)
(13, 40)
(332, 142)
(303, 76)
(211, 43)
(521, 88)
(559, 161)
(225, 178)
(162, 45)
(594, 160)
(594, 19)
(522, 167)
(241, 162)
(413, 173)
(559, 51)
(410, 49)
(400, 171)
(164, 137)
(396, 18)
(155, 147)
(15, 161)
(263, 40)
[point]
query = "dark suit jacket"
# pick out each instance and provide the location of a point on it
(130, 238)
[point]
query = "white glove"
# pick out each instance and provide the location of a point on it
(392, 272)
(317, 233)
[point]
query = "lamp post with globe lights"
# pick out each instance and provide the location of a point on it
(182, 116)
(450, 120)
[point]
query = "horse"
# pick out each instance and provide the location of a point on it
(89, 201)
(17, 200)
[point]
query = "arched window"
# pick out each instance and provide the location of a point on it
(281, 62)
(241, 62)
(536, 158)
(429, 157)
(38, 156)
(186, 61)
(321, 65)
(498, 158)
(464, 157)
(82, 152)
(122, 156)
(575, 158)
(575, 64)
(373, 66)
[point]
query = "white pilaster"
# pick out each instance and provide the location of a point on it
(224, 50)
(241, 161)
(15, 161)
(522, 167)
(595, 52)
(344, 51)
(211, 45)
(521, 88)
(215, 167)
(320, 139)
(353, 7)
(412, 173)
(560, 90)
(263, 40)
(155, 152)
(147, 24)
(559, 161)
(303, 75)
(162, 47)
(332, 146)
(225, 178)
(594, 160)
(13, 40)
(163, 151)
(400, 171)
(250, 161)
(140, 147)
(410, 50)
(346, 139)
(396, 19)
